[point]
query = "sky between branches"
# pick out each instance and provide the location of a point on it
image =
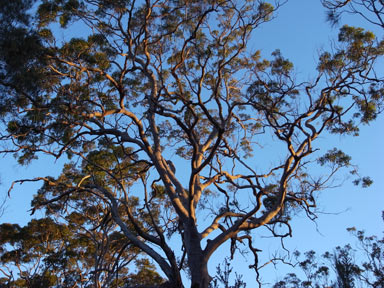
(301, 33)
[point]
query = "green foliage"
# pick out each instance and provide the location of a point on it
(149, 85)
(49, 254)
(335, 157)
(12, 12)
(145, 275)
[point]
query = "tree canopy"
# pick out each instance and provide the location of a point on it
(160, 109)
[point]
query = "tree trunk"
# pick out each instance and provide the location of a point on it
(197, 261)
(176, 282)
(200, 276)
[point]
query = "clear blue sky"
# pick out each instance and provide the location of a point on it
(300, 32)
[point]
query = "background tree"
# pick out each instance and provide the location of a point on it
(158, 107)
(358, 266)
(346, 270)
(223, 274)
(76, 250)
(372, 265)
(77, 244)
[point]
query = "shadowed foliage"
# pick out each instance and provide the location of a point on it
(163, 113)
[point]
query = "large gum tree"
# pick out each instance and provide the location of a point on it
(161, 109)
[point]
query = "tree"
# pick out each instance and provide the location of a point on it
(79, 251)
(370, 10)
(158, 107)
(223, 272)
(363, 265)
(346, 270)
(372, 266)
(318, 273)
